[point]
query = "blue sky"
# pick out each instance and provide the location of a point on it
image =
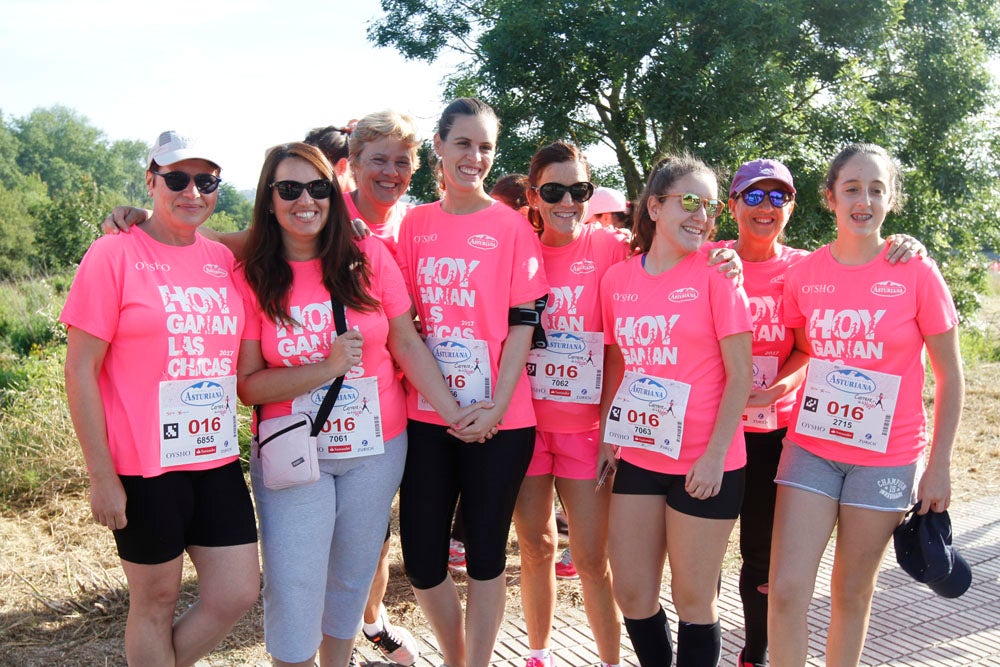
(241, 75)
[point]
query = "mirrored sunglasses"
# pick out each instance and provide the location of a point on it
(321, 188)
(778, 198)
(553, 193)
(178, 181)
(691, 202)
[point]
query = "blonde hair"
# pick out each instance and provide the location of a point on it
(382, 125)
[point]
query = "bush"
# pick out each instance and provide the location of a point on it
(29, 314)
(39, 453)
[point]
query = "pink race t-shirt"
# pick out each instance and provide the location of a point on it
(309, 304)
(167, 313)
(669, 326)
(388, 231)
(873, 317)
(764, 283)
(574, 272)
(464, 273)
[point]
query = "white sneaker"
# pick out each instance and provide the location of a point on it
(396, 644)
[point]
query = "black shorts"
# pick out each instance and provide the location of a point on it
(633, 480)
(168, 513)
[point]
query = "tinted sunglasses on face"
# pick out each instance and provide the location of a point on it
(691, 202)
(177, 181)
(553, 193)
(778, 198)
(321, 188)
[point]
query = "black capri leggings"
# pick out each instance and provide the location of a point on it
(488, 477)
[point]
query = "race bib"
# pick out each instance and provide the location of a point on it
(847, 405)
(354, 427)
(197, 420)
(568, 370)
(648, 413)
(765, 369)
(465, 365)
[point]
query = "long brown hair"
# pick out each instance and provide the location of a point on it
(665, 173)
(346, 273)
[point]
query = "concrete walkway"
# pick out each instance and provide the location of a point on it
(910, 625)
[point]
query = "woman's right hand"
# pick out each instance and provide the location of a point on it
(467, 426)
(607, 464)
(123, 217)
(107, 502)
(345, 353)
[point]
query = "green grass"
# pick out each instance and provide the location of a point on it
(29, 314)
(39, 454)
(980, 336)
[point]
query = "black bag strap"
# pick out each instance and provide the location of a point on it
(340, 318)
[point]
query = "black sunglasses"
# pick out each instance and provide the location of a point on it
(321, 188)
(179, 180)
(553, 193)
(779, 198)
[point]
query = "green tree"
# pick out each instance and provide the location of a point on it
(237, 207)
(67, 225)
(10, 173)
(17, 229)
(732, 81)
(60, 146)
(222, 221)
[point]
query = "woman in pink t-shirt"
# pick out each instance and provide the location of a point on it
(677, 376)
(154, 323)
(565, 381)
(320, 541)
(472, 265)
(383, 158)
(858, 430)
(761, 201)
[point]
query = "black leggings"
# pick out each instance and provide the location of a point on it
(756, 526)
(488, 477)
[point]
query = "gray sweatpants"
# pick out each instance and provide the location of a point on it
(320, 545)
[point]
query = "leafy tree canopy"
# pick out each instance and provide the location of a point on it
(730, 81)
(59, 177)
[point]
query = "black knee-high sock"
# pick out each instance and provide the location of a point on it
(651, 639)
(754, 615)
(698, 645)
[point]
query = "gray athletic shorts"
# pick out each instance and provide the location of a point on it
(882, 488)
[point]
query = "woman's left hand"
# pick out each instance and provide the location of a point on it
(727, 261)
(484, 425)
(760, 398)
(934, 490)
(902, 247)
(704, 479)
(359, 229)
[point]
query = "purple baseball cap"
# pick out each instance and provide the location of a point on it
(760, 170)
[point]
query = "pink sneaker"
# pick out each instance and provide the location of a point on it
(565, 568)
(456, 556)
(538, 662)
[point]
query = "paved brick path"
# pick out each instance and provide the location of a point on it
(910, 625)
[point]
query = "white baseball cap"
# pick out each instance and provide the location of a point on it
(171, 147)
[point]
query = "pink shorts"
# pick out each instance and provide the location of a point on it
(566, 455)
